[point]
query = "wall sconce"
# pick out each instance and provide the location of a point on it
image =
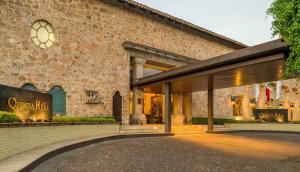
(266, 104)
(280, 105)
(292, 105)
(233, 99)
(252, 102)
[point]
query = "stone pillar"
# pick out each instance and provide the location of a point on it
(137, 116)
(187, 107)
(177, 113)
(210, 105)
(168, 107)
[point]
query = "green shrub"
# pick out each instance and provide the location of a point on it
(217, 121)
(8, 117)
(222, 121)
(109, 120)
(246, 121)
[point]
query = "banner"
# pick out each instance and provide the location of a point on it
(257, 92)
(278, 89)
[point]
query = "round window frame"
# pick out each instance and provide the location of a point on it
(34, 31)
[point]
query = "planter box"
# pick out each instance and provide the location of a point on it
(264, 126)
(17, 138)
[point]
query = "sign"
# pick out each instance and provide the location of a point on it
(92, 97)
(28, 105)
(271, 115)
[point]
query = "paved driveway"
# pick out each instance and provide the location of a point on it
(193, 153)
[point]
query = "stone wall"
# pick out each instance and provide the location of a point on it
(223, 107)
(15, 140)
(265, 127)
(87, 53)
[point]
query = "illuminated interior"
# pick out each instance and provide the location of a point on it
(153, 108)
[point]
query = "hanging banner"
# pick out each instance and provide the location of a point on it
(257, 92)
(278, 89)
(268, 91)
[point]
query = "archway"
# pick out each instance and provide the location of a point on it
(117, 107)
(58, 100)
(29, 86)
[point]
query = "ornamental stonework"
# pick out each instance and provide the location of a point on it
(42, 34)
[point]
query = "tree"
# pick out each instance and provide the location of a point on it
(286, 14)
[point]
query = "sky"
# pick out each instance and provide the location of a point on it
(242, 20)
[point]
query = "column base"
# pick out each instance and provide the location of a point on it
(177, 119)
(137, 119)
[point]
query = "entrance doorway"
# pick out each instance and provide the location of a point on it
(153, 108)
(117, 107)
(156, 110)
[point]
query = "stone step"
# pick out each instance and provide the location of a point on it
(177, 129)
(189, 129)
(141, 129)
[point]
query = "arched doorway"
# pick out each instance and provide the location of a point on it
(29, 86)
(58, 100)
(117, 107)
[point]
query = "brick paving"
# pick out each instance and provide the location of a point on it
(199, 152)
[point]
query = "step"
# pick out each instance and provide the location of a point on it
(141, 129)
(137, 127)
(177, 129)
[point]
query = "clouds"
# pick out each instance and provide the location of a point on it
(242, 20)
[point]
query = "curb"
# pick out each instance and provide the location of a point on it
(252, 131)
(64, 149)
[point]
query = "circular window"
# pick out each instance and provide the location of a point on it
(42, 34)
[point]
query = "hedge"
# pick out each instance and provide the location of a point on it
(222, 121)
(217, 121)
(8, 117)
(109, 120)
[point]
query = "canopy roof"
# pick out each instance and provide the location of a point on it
(261, 63)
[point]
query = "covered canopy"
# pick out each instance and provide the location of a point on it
(257, 64)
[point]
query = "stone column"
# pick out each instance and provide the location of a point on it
(168, 107)
(187, 107)
(210, 105)
(177, 114)
(137, 116)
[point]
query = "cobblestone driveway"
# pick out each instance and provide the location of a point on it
(193, 153)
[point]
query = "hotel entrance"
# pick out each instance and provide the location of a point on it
(153, 108)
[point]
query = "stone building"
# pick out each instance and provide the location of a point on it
(86, 52)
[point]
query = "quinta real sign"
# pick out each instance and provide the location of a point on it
(28, 105)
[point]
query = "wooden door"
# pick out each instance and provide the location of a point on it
(117, 107)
